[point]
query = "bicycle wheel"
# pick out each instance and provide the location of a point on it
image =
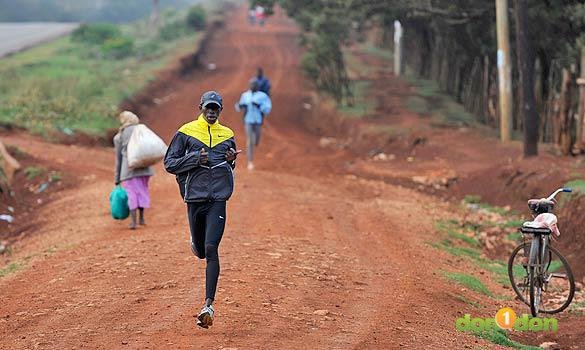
(535, 289)
(558, 283)
(518, 272)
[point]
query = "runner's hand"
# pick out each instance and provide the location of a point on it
(232, 154)
(203, 156)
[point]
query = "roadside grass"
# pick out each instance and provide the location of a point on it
(578, 308)
(360, 74)
(469, 282)
(451, 228)
(465, 300)
(356, 68)
(418, 105)
(383, 53)
(499, 337)
(55, 176)
(476, 201)
(469, 247)
(363, 104)
(33, 172)
(11, 268)
(67, 86)
(23, 262)
(445, 111)
(578, 185)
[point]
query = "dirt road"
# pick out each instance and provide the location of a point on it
(310, 259)
(15, 37)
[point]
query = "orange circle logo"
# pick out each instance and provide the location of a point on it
(505, 318)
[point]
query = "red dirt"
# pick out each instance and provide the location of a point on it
(310, 257)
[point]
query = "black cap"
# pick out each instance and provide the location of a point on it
(211, 97)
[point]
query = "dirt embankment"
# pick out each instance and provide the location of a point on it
(409, 149)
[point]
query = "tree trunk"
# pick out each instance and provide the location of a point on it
(580, 144)
(526, 69)
(485, 88)
(155, 13)
(564, 117)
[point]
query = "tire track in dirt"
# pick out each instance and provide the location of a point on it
(309, 258)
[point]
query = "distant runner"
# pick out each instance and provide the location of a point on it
(202, 155)
(256, 105)
(263, 82)
(260, 15)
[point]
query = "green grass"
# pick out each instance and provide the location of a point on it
(576, 308)
(356, 68)
(476, 199)
(452, 249)
(577, 185)
(55, 176)
(363, 103)
(446, 111)
(11, 268)
(472, 199)
(513, 223)
(373, 50)
(499, 269)
(418, 105)
(466, 301)
(67, 85)
(499, 337)
(514, 236)
(451, 228)
(33, 172)
(469, 282)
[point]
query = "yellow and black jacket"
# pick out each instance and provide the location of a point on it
(213, 181)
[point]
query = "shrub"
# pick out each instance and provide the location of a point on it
(95, 34)
(196, 17)
(118, 47)
(32, 172)
(172, 30)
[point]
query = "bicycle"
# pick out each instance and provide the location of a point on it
(540, 275)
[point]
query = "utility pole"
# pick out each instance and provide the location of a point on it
(581, 123)
(525, 58)
(397, 48)
(504, 70)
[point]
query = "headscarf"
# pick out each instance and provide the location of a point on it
(127, 118)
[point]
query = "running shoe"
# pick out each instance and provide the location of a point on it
(205, 317)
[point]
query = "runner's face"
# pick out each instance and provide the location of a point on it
(211, 112)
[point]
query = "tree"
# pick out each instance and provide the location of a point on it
(525, 58)
(155, 13)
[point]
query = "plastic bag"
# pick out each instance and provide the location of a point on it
(119, 203)
(145, 148)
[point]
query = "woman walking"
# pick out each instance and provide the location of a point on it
(134, 181)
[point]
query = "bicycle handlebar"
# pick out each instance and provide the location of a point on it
(567, 190)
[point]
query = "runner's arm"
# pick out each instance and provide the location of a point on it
(265, 105)
(178, 160)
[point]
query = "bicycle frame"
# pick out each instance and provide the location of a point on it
(539, 248)
(538, 252)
